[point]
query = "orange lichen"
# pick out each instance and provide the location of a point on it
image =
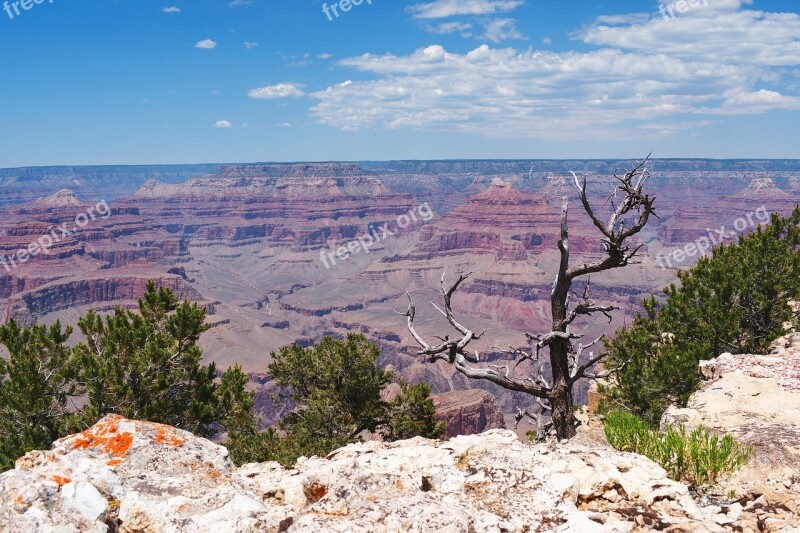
(18, 500)
(108, 437)
(61, 480)
(167, 435)
(105, 435)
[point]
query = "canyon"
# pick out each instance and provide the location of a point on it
(245, 242)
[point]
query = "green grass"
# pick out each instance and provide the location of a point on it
(698, 458)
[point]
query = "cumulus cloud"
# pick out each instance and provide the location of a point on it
(723, 32)
(740, 102)
(171, 9)
(499, 30)
(250, 45)
(206, 44)
(223, 124)
(450, 8)
(281, 90)
(635, 77)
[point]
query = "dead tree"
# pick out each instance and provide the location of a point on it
(567, 361)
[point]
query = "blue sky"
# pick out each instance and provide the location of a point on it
(139, 81)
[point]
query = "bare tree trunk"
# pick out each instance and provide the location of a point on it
(561, 392)
(561, 389)
(566, 364)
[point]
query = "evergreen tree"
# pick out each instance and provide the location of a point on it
(335, 385)
(235, 403)
(36, 382)
(147, 366)
(144, 365)
(411, 413)
(736, 300)
(659, 372)
(336, 389)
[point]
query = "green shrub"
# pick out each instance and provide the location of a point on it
(336, 389)
(735, 300)
(144, 364)
(698, 458)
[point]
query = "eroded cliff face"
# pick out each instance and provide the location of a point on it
(248, 241)
(129, 476)
(468, 412)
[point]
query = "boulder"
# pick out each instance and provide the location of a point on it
(130, 476)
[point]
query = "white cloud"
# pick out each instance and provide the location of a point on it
(171, 9)
(635, 78)
(281, 90)
(450, 8)
(740, 102)
(324, 55)
(499, 30)
(233, 4)
(250, 45)
(451, 27)
(224, 124)
(723, 32)
(630, 18)
(206, 44)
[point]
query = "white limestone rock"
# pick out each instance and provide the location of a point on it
(143, 477)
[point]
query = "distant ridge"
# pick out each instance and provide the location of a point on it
(563, 166)
(62, 198)
(762, 189)
(295, 180)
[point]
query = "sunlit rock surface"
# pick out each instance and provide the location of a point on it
(134, 476)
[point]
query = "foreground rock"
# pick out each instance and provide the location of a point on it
(129, 476)
(757, 399)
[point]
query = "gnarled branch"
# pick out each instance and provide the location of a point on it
(454, 351)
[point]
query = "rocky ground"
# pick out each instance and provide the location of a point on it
(757, 399)
(133, 476)
(129, 476)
